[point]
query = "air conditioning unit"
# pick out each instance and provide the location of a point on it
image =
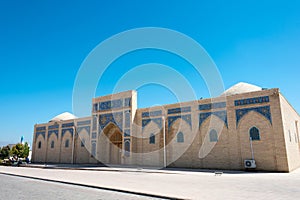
(249, 164)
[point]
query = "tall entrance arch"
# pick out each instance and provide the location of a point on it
(115, 138)
(115, 148)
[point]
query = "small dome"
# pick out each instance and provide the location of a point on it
(62, 117)
(240, 88)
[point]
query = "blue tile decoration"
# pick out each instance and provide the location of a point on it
(94, 148)
(94, 135)
(263, 110)
(41, 128)
(95, 107)
(158, 121)
(152, 113)
(109, 105)
(42, 133)
(186, 118)
(127, 147)
(79, 129)
(210, 106)
(221, 114)
(255, 100)
(127, 119)
(127, 102)
(53, 132)
(65, 130)
(55, 126)
(94, 122)
(127, 133)
(82, 123)
(67, 125)
(179, 110)
(116, 118)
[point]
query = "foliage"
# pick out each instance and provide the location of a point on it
(5, 152)
(20, 150)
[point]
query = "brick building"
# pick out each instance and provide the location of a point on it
(245, 127)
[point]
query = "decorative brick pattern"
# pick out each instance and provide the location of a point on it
(65, 130)
(55, 126)
(40, 133)
(127, 133)
(264, 111)
(127, 119)
(186, 118)
(221, 114)
(248, 101)
(152, 113)
(82, 123)
(212, 106)
(158, 121)
(41, 128)
(87, 128)
(116, 118)
(179, 110)
(53, 132)
(67, 125)
(127, 102)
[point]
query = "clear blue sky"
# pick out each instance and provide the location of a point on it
(43, 43)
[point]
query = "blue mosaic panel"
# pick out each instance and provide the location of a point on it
(40, 133)
(127, 133)
(94, 147)
(221, 114)
(95, 107)
(94, 135)
(55, 126)
(67, 125)
(210, 106)
(264, 111)
(116, 118)
(127, 147)
(82, 123)
(87, 128)
(127, 119)
(65, 130)
(109, 105)
(94, 122)
(42, 128)
(53, 132)
(152, 113)
(186, 118)
(127, 102)
(255, 100)
(158, 121)
(179, 110)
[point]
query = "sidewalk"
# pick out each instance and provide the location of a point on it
(171, 183)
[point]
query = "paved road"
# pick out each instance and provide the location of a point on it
(180, 184)
(24, 188)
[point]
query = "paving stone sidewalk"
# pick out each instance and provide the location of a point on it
(173, 183)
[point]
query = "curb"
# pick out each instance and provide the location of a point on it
(94, 187)
(93, 169)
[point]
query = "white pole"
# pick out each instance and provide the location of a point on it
(252, 153)
(74, 131)
(164, 135)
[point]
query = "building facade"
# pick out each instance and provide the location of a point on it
(245, 124)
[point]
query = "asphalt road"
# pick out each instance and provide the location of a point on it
(25, 188)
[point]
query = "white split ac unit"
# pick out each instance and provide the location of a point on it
(249, 164)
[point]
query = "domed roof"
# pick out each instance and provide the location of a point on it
(241, 88)
(62, 117)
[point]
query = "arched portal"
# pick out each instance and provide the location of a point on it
(114, 135)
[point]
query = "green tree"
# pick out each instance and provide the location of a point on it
(20, 150)
(4, 153)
